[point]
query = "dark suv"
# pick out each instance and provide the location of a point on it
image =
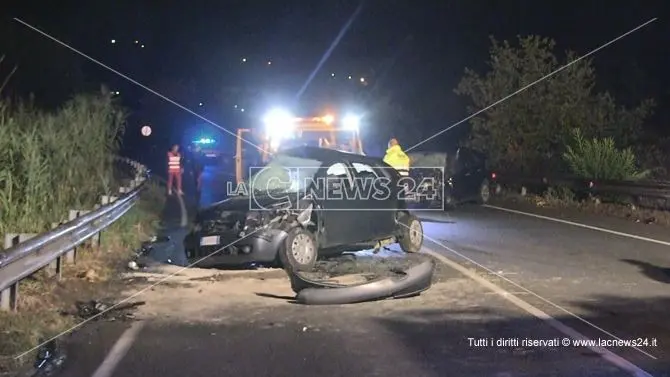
(465, 178)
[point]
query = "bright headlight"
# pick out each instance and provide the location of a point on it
(351, 122)
(278, 122)
(328, 119)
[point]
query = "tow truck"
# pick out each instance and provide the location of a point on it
(283, 130)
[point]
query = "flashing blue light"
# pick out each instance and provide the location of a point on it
(205, 141)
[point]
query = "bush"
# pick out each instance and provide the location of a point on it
(601, 159)
(54, 161)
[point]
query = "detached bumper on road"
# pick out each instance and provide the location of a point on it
(414, 281)
(230, 249)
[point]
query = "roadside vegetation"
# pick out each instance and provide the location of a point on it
(561, 126)
(530, 132)
(51, 162)
(601, 159)
(47, 305)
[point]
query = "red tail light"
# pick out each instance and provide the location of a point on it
(493, 175)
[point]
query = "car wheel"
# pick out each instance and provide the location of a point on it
(299, 252)
(484, 192)
(411, 234)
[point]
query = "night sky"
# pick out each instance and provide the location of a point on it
(411, 55)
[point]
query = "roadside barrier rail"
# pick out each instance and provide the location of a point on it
(644, 192)
(25, 254)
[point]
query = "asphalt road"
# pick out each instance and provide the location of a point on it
(563, 279)
(601, 284)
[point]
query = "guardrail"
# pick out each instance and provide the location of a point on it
(645, 193)
(26, 254)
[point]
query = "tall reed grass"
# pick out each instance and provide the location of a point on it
(51, 162)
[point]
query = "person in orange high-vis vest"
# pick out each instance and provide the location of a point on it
(175, 169)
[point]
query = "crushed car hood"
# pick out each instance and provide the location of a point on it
(235, 207)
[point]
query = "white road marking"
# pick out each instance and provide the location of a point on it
(119, 350)
(517, 285)
(509, 293)
(553, 322)
(622, 234)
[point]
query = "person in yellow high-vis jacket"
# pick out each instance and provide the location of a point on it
(397, 158)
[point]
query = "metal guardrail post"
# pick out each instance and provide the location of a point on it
(57, 265)
(104, 200)
(95, 240)
(10, 296)
(71, 255)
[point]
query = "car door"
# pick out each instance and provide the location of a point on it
(377, 205)
(340, 223)
(389, 202)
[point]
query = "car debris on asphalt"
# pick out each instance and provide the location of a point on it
(141, 260)
(110, 311)
(49, 360)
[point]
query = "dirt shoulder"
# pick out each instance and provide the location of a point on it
(197, 295)
(46, 304)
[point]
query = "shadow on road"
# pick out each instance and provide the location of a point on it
(439, 340)
(171, 214)
(339, 341)
(289, 299)
(660, 274)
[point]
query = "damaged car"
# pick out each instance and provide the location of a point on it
(306, 203)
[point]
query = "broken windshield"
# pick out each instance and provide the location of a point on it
(283, 174)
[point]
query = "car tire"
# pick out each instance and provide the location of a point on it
(410, 233)
(299, 251)
(484, 194)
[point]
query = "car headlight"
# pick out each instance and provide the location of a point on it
(351, 122)
(278, 123)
